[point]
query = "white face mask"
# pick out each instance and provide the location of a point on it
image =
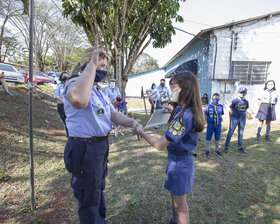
(112, 85)
(174, 96)
(242, 95)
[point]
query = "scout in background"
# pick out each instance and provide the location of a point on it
(181, 138)
(163, 94)
(58, 95)
(153, 95)
(213, 116)
(112, 90)
(120, 106)
(204, 101)
(237, 115)
(266, 111)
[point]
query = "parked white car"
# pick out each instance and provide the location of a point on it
(54, 76)
(11, 74)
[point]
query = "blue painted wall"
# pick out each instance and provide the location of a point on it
(200, 51)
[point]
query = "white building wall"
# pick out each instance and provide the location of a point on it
(134, 84)
(257, 41)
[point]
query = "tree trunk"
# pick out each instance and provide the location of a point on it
(118, 70)
(2, 36)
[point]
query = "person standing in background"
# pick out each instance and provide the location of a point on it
(112, 90)
(58, 96)
(266, 111)
(152, 94)
(237, 115)
(163, 94)
(4, 84)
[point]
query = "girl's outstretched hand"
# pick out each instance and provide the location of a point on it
(139, 131)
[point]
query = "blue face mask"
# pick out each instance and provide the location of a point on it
(215, 101)
(100, 75)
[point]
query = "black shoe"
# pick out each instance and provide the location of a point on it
(242, 150)
(218, 153)
(267, 137)
(207, 153)
(226, 149)
(258, 137)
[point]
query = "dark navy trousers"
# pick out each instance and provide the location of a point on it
(62, 115)
(87, 161)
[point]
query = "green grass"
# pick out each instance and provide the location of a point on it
(236, 188)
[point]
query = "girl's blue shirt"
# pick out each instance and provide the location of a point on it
(180, 133)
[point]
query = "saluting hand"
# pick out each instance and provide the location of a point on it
(99, 57)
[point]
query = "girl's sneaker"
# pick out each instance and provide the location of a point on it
(207, 153)
(218, 153)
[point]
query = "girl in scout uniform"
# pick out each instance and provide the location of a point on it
(89, 120)
(266, 111)
(181, 138)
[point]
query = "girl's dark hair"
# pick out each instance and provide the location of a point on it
(265, 86)
(189, 97)
(153, 85)
(61, 74)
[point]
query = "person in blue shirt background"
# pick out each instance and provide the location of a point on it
(181, 138)
(237, 115)
(112, 90)
(58, 96)
(213, 116)
(163, 94)
(89, 120)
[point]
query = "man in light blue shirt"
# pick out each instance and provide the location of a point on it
(112, 90)
(163, 94)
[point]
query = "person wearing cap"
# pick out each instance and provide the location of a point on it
(58, 96)
(112, 90)
(237, 115)
(163, 94)
(266, 111)
(89, 121)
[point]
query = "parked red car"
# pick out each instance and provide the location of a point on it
(38, 77)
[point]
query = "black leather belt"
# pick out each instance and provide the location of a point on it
(91, 139)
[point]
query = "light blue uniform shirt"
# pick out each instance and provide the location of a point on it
(58, 92)
(163, 92)
(94, 119)
(113, 93)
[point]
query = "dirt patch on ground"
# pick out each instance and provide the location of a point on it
(51, 191)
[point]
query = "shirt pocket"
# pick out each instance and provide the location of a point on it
(96, 102)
